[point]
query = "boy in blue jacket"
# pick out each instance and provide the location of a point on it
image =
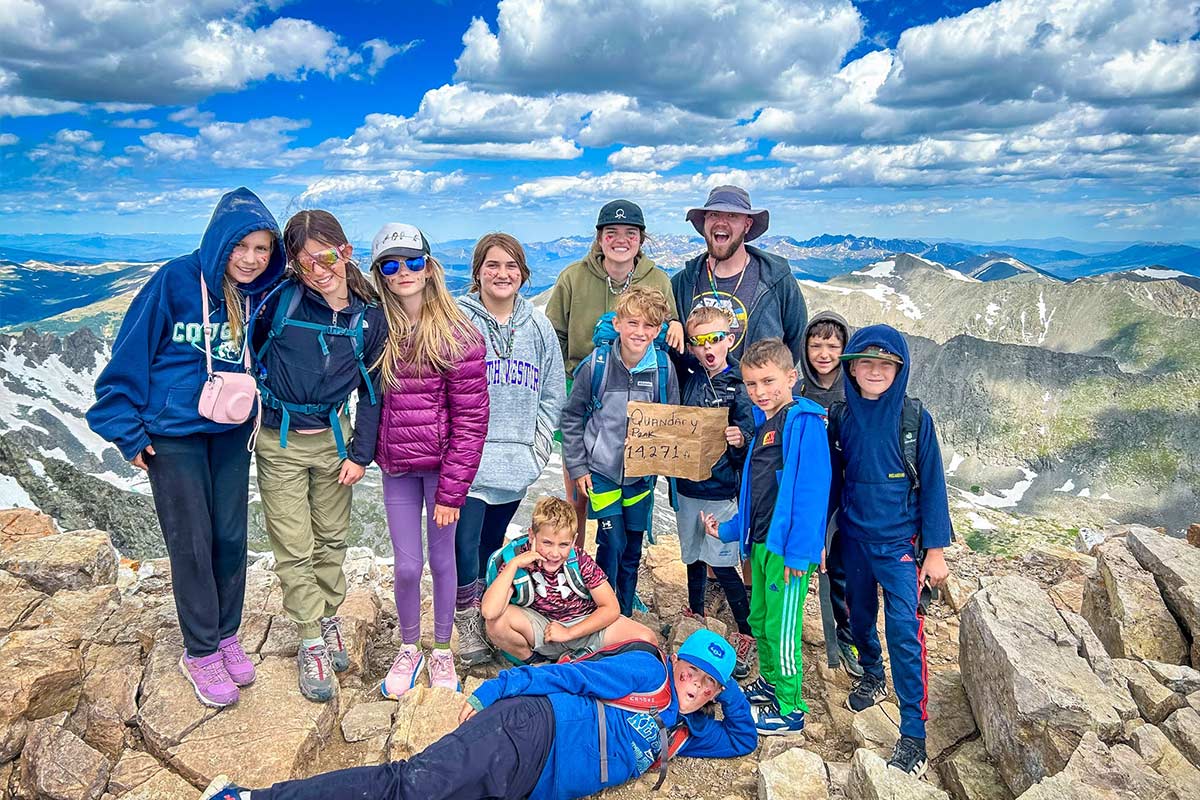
(508, 745)
(887, 524)
(780, 523)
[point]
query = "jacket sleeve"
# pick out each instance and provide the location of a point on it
(554, 386)
(673, 394)
(467, 406)
(806, 495)
(742, 416)
(574, 418)
(837, 470)
(122, 387)
(793, 313)
(607, 679)
(366, 413)
(934, 504)
(556, 311)
(733, 735)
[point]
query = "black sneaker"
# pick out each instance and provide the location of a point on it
(909, 756)
(867, 691)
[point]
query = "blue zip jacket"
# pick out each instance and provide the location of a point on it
(573, 768)
(874, 500)
(797, 532)
(152, 384)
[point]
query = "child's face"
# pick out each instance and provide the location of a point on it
(769, 386)
(637, 333)
(250, 257)
(823, 352)
(714, 353)
(694, 687)
(553, 546)
(873, 375)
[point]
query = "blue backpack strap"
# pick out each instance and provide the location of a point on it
(356, 334)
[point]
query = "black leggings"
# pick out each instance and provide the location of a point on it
(498, 753)
(731, 581)
(480, 533)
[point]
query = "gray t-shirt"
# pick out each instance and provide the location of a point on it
(735, 294)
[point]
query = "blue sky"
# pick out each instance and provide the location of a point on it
(1019, 118)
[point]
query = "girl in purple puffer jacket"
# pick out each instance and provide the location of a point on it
(431, 434)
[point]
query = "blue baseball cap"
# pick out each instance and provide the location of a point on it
(709, 652)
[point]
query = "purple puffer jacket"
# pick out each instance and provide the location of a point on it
(437, 422)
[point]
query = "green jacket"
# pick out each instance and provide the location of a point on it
(581, 296)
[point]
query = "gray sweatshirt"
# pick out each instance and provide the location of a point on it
(526, 389)
(808, 385)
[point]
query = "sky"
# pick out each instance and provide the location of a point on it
(951, 120)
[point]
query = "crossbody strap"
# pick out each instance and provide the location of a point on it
(208, 330)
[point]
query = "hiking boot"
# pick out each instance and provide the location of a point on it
(849, 656)
(473, 647)
(240, 670)
(316, 673)
(441, 670)
(689, 614)
(404, 672)
(714, 598)
(909, 756)
(770, 722)
(331, 632)
(867, 691)
(759, 693)
(222, 789)
(743, 644)
(210, 679)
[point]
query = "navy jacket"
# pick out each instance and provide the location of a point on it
(297, 371)
(723, 390)
(152, 384)
(874, 499)
(777, 309)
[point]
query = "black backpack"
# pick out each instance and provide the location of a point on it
(910, 429)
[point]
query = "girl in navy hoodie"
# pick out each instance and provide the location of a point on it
(146, 404)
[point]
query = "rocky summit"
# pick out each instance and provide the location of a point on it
(1058, 674)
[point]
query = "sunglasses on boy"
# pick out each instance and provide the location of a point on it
(307, 261)
(392, 265)
(707, 338)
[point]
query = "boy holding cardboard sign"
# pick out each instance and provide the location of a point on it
(593, 427)
(781, 526)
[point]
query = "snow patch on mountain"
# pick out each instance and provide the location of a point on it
(12, 495)
(1006, 498)
(1159, 273)
(880, 269)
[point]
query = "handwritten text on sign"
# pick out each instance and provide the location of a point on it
(675, 441)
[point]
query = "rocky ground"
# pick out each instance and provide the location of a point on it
(1066, 673)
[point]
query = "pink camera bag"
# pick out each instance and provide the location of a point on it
(227, 397)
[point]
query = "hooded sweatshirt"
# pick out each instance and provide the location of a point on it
(723, 390)
(809, 386)
(573, 768)
(876, 502)
(152, 384)
(526, 393)
(580, 297)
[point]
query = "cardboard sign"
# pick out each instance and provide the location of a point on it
(674, 441)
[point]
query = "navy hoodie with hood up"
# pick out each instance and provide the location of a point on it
(152, 384)
(875, 501)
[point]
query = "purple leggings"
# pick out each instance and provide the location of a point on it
(403, 497)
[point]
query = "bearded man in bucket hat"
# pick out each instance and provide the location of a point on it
(755, 286)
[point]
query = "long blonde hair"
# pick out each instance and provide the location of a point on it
(234, 313)
(437, 341)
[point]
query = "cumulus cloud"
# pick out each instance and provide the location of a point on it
(8, 139)
(709, 56)
(159, 52)
(399, 181)
(133, 123)
(78, 148)
(671, 155)
(233, 145)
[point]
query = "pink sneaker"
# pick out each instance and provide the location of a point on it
(209, 678)
(441, 670)
(240, 670)
(404, 672)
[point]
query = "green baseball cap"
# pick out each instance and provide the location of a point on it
(872, 351)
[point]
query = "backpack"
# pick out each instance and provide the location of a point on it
(291, 294)
(669, 739)
(603, 336)
(910, 429)
(525, 587)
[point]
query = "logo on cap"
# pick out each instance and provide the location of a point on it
(716, 649)
(620, 214)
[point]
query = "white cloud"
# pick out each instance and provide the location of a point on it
(710, 56)
(8, 139)
(397, 182)
(233, 145)
(69, 147)
(671, 155)
(139, 124)
(379, 52)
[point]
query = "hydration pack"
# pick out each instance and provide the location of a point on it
(527, 586)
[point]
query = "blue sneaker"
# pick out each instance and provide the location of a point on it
(849, 658)
(638, 605)
(770, 722)
(759, 693)
(222, 789)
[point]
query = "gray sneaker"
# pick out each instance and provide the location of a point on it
(473, 647)
(331, 632)
(316, 673)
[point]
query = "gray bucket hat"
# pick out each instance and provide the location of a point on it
(734, 199)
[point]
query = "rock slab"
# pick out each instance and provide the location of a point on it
(795, 774)
(871, 779)
(75, 560)
(1176, 568)
(1097, 772)
(1122, 603)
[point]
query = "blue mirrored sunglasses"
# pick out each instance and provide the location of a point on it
(392, 266)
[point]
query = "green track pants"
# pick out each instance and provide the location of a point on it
(776, 620)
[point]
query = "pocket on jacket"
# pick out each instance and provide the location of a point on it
(180, 407)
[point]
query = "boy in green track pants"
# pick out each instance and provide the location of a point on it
(781, 526)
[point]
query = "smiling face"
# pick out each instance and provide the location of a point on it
(499, 275)
(769, 386)
(250, 257)
(637, 333)
(404, 283)
(619, 244)
(694, 687)
(312, 262)
(823, 352)
(712, 355)
(725, 232)
(554, 546)
(874, 376)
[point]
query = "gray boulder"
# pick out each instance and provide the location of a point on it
(1176, 567)
(1122, 604)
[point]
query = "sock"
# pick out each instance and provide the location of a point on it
(245, 795)
(306, 643)
(441, 645)
(465, 597)
(480, 588)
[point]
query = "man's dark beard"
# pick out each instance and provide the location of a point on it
(735, 241)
